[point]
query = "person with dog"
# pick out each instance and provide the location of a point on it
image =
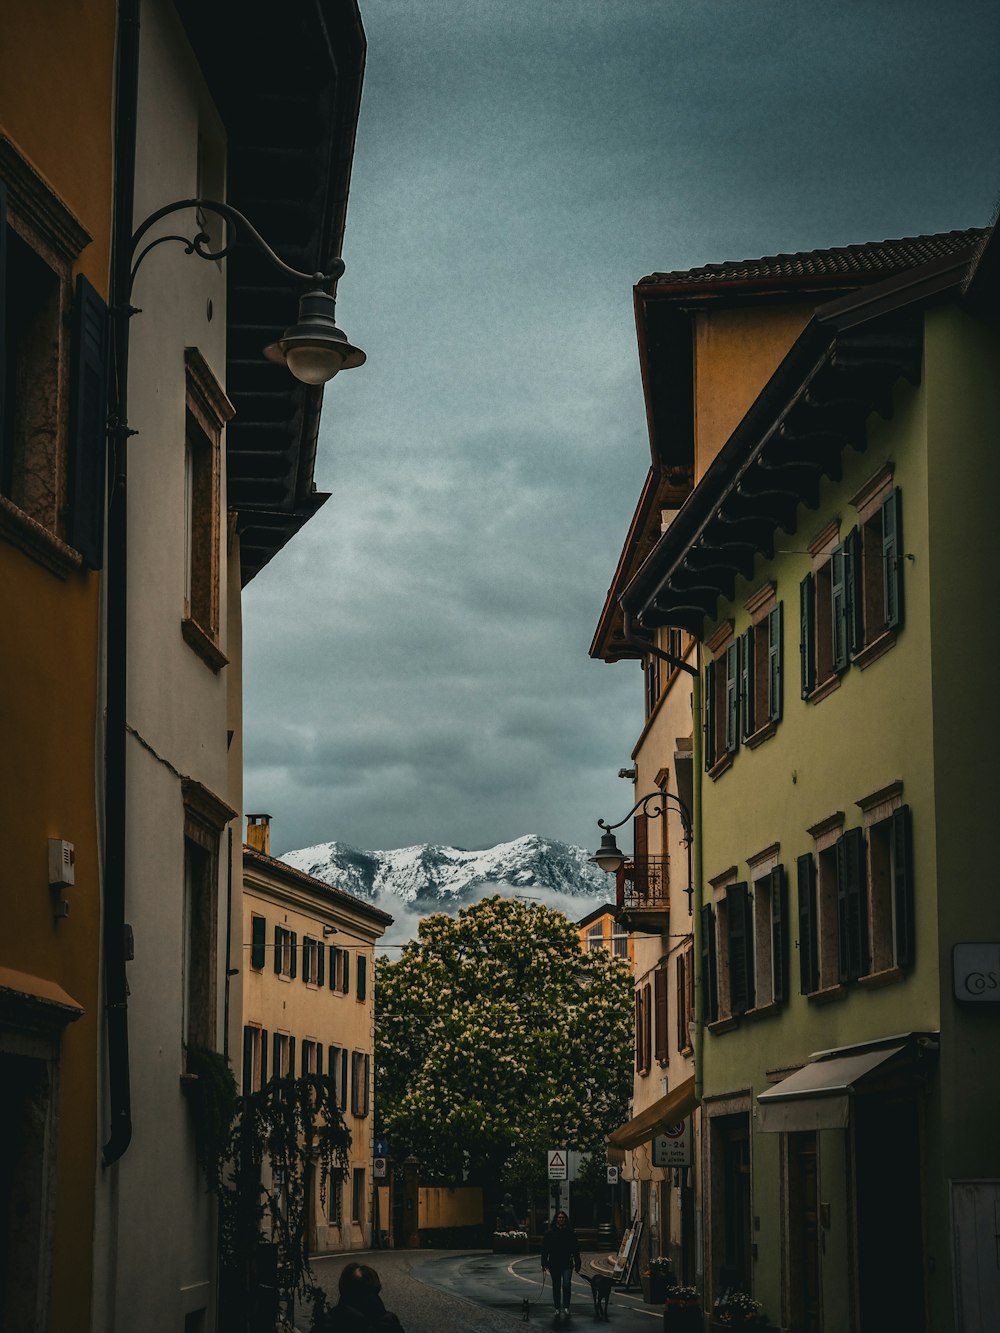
(560, 1256)
(360, 1308)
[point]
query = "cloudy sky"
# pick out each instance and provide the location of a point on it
(416, 660)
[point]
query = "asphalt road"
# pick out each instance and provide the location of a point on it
(442, 1291)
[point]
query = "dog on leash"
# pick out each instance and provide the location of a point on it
(600, 1288)
(525, 1310)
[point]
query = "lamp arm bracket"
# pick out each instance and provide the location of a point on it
(645, 802)
(199, 243)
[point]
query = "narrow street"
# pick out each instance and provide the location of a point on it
(445, 1291)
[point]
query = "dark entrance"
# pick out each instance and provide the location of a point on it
(889, 1214)
(731, 1191)
(803, 1234)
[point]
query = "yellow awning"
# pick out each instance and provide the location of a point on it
(647, 1124)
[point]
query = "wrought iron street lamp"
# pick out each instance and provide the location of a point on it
(609, 856)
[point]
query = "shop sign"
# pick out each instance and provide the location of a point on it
(976, 973)
(673, 1146)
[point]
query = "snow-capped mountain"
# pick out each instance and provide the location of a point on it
(428, 878)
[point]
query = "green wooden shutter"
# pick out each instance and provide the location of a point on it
(838, 609)
(739, 913)
(746, 656)
(320, 963)
(807, 638)
(319, 1057)
(362, 976)
(294, 952)
(306, 1051)
(291, 1057)
(775, 662)
(661, 1048)
(343, 1079)
(331, 1066)
(853, 592)
(808, 942)
(258, 941)
(852, 905)
(892, 559)
(5, 443)
(902, 886)
(779, 935)
(732, 696)
(276, 1055)
(88, 424)
(247, 1061)
(333, 967)
(709, 711)
(345, 971)
(278, 940)
(709, 965)
(263, 1057)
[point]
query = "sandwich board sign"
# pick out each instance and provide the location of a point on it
(673, 1146)
(558, 1164)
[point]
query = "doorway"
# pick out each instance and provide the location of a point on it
(803, 1233)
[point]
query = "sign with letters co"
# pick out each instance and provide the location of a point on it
(976, 973)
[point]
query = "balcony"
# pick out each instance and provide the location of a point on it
(642, 889)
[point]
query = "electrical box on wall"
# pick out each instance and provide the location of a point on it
(62, 864)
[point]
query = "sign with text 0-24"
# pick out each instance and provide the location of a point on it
(673, 1146)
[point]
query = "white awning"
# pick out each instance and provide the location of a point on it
(817, 1096)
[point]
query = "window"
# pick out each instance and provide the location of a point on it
(684, 996)
(208, 409)
(652, 672)
(595, 937)
(643, 1032)
(770, 934)
(286, 951)
(761, 668)
(205, 816)
(312, 1056)
(337, 1070)
(891, 923)
(722, 696)
(283, 1058)
(360, 1076)
(619, 943)
(335, 1200)
(313, 961)
(358, 1195)
(254, 1058)
(53, 378)
(362, 977)
(258, 941)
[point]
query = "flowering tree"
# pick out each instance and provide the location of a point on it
(497, 1038)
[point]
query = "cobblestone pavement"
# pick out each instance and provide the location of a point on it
(458, 1291)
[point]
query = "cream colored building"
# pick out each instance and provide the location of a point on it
(308, 1007)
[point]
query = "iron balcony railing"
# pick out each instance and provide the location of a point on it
(642, 885)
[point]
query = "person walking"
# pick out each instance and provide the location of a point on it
(360, 1308)
(560, 1256)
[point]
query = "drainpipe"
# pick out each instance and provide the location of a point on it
(116, 585)
(696, 776)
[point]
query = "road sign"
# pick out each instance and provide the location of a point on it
(380, 1168)
(558, 1164)
(673, 1146)
(380, 1148)
(612, 1175)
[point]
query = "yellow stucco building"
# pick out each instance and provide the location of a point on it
(55, 236)
(309, 1007)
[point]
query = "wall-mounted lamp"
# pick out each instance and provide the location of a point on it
(609, 856)
(314, 349)
(330, 930)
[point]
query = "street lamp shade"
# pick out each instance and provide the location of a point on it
(315, 349)
(609, 855)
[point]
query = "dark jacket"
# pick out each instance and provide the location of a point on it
(560, 1249)
(363, 1313)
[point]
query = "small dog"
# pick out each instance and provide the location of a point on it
(525, 1310)
(600, 1288)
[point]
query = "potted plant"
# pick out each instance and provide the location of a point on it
(656, 1277)
(681, 1310)
(510, 1242)
(735, 1309)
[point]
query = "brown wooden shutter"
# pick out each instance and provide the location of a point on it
(662, 1050)
(681, 1001)
(640, 856)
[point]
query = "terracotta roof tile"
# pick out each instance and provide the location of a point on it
(875, 258)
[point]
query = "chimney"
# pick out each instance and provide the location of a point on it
(259, 833)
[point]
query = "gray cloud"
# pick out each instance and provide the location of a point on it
(416, 660)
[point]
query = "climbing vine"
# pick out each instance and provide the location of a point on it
(263, 1155)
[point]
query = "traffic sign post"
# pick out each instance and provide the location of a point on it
(673, 1146)
(558, 1159)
